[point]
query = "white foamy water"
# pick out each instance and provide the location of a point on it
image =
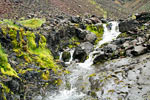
(110, 35)
(81, 71)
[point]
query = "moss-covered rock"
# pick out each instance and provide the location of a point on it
(32, 23)
(27, 48)
(66, 56)
(98, 30)
(123, 35)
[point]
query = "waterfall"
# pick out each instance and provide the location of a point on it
(81, 71)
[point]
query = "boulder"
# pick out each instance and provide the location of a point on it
(138, 50)
(143, 17)
(91, 37)
(110, 48)
(80, 54)
(126, 26)
(87, 47)
(100, 58)
(81, 34)
(75, 19)
(95, 20)
(66, 56)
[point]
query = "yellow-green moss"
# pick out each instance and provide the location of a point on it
(97, 30)
(9, 23)
(94, 74)
(75, 42)
(123, 35)
(5, 67)
(32, 23)
(5, 89)
(45, 75)
(28, 49)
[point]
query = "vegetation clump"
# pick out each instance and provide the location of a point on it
(30, 48)
(32, 23)
(97, 30)
(5, 67)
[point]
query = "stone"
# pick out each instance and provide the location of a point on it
(80, 54)
(81, 34)
(128, 26)
(87, 46)
(91, 37)
(66, 56)
(138, 50)
(95, 20)
(100, 58)
(143, 17)
(75, 19)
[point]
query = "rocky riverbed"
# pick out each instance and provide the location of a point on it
(30, 48)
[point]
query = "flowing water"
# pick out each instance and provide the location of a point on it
(78, 78)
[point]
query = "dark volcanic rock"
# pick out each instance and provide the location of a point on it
(128, 26)
(80, 54)
(91, 37)
(75, 19)
(81, 34)
(66, 56)
(143, 17)
(87, 46)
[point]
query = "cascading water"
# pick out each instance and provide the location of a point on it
(81, 71)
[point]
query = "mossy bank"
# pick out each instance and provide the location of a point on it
(24, 56)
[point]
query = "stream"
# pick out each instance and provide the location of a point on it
(75, 83)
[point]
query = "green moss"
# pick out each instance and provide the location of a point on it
(4, 90)
(143, 28)
(9, 23)
(66, 56)
(123, 35)
(5, 67)
(45, 75)
(28, 49)
(32, 23)
(97, 30)
(94, 74)
(75, 42)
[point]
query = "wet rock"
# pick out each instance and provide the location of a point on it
(87, 47)
(104, 20)
(80, 54)
(66, 56)
(91, 37)
(109, 26)
(138, 50)
(110, 48)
